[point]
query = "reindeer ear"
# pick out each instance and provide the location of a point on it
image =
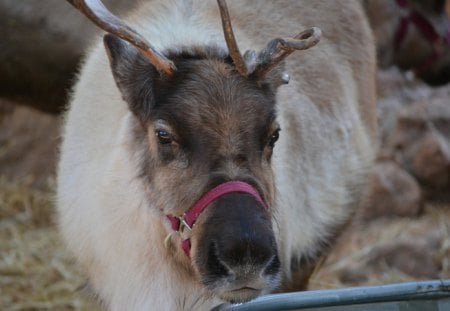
(134, 76)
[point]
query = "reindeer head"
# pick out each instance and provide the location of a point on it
(205, 131)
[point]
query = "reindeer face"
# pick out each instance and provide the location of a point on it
(197, 129)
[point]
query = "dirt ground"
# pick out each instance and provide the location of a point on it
(37, 273)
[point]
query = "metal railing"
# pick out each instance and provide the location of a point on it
(414, 296)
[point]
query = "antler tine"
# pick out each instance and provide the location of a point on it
(278, 49)
(233, 49)
(103, 18)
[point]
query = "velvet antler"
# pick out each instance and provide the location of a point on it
(258, 65)
(103, 18)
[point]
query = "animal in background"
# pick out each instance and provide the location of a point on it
(413, 35)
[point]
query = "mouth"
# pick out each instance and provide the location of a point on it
(240, 295)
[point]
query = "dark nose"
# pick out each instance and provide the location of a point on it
(239, 239)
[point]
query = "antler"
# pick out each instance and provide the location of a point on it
(257, 65)
(233, 49)
(103, 18)
(278, 49)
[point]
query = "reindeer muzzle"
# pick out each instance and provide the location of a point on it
(184, 224)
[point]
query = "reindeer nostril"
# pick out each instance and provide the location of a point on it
(273, 267)
(214, 264)
(247, 249)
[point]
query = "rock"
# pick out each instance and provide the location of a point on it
(397, 93)
(391, 192)
(431, 163)
(420, 144)
(413, 259)
(28, 144)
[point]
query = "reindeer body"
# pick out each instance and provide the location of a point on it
(113, 220)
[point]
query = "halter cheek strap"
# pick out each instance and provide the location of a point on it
(183, 225)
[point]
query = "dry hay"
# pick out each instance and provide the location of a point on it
(35, 271)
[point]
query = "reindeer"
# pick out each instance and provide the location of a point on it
(414, 35)
(190, 174)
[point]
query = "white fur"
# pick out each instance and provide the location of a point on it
(326, 144)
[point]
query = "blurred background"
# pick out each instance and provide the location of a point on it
(400, 233)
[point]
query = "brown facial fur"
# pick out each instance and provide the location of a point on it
(220, 124)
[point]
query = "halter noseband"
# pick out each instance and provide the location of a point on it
(427, 30)
(183, 224)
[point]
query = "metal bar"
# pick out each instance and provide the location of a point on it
(425, 291)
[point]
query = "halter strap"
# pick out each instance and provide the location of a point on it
(183, 225)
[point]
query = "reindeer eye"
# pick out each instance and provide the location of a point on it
(164, 137)
(273, 138)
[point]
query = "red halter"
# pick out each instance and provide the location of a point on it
(183, 225)
(428, 31)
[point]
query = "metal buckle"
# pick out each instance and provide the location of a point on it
(184, 230)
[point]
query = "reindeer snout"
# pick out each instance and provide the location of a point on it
(243, 249)
(238, 246)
